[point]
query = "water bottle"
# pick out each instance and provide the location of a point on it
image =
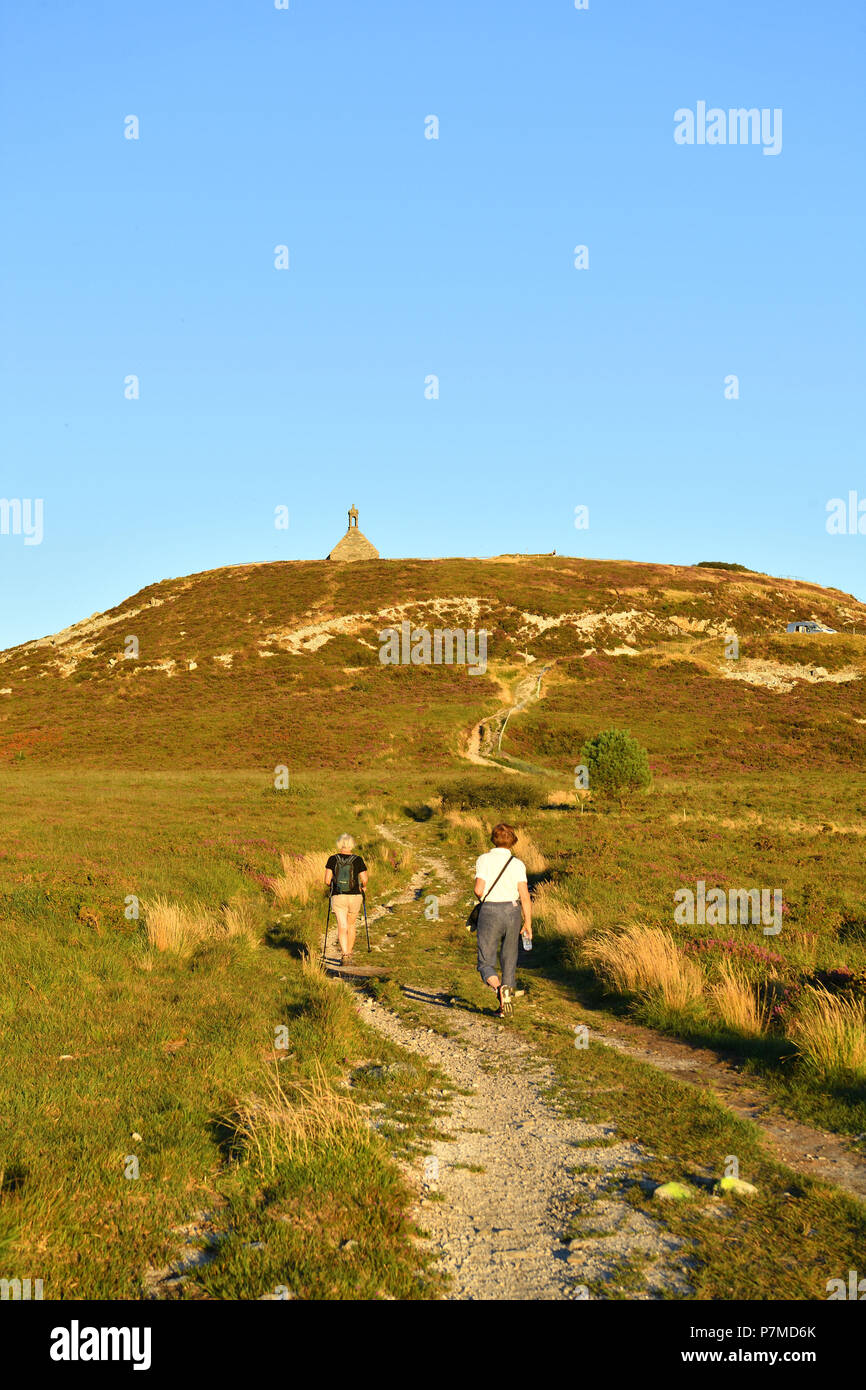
(527, 942)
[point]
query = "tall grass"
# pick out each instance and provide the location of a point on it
(301, 874)
(239, 920)
(393, 855)
(288, 1118)
(830, 1034)
(645, 961)
(178, 928)
(476, 832)
(527, 850)
(736, 1001)
(558, 917)
(559, 800)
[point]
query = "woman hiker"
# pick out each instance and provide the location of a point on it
(346, 877)
(500, 883)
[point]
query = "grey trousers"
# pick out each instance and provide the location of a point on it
(498, 934)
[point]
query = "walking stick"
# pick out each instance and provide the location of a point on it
(327, 922)
(366, 927)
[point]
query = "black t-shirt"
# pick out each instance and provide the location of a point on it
(357, 867)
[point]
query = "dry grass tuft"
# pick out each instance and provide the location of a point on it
(557, 917)
(557, 799)
(239, 920)
(466, 821)
(476, 832)
(179, 928)
(289, 1118)
(736, 1002)
(645, 961)
(393, 855)
(174, 928)
(312, 965)
(301, 874)
(527, 850)
(830, 1034)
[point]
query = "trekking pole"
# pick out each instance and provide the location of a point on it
(327, 923)
(366, 927)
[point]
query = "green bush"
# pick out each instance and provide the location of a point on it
(467, 793)
(616, 763)
(722, 565)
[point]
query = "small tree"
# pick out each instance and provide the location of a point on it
(616, 763)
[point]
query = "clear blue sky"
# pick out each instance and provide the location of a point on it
(411, 257)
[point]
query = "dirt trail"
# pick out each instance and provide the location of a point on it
(812, 1152)
(486, 732)
(506, 1185)
(498, 1194)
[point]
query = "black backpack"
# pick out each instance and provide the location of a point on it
(344, 873)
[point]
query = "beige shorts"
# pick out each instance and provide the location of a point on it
(346, 905)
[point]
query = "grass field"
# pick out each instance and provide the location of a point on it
(114, 1050)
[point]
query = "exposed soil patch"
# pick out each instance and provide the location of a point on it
(773, 675)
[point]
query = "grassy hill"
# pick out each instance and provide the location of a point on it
(260, 665)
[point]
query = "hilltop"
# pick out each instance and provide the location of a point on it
(261, 664)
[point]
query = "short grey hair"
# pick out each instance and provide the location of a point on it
(345, 840)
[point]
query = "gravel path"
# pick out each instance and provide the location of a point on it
(497, 1233)
(496, 1197)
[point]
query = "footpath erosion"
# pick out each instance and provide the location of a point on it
(522, 1197)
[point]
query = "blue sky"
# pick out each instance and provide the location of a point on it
(410, 257)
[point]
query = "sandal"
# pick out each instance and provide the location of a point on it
(506, 1007)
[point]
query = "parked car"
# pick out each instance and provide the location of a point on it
(807, 625)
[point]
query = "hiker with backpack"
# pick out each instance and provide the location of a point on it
(346, 877)
(503, 893)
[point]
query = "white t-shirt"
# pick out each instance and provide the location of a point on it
(488, 866)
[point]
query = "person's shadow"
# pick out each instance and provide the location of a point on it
(443, 1000)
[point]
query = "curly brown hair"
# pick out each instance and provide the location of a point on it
(504, 836)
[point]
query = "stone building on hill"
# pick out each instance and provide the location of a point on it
(354, 545)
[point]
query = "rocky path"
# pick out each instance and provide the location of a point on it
(497, 1196)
